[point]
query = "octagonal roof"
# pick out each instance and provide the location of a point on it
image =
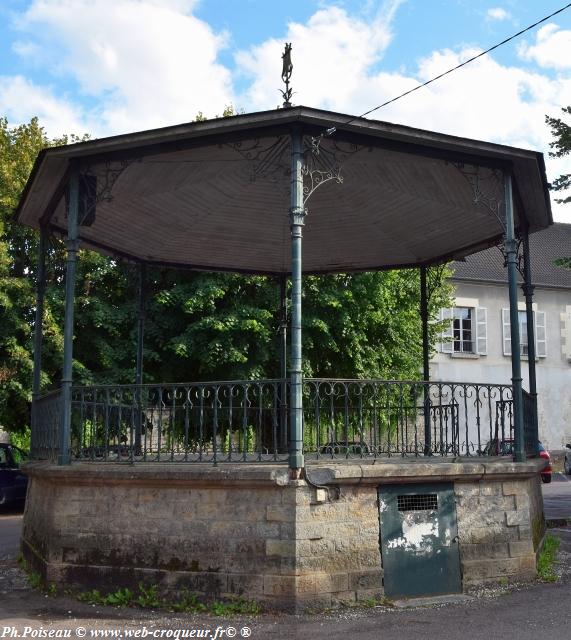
(215, 195)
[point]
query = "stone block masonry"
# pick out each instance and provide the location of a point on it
(250, 531)
(500, 526)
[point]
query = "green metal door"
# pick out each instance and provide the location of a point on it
(419, 540)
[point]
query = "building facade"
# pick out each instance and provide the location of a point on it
(476, 345)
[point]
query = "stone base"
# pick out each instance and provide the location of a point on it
(250, 531)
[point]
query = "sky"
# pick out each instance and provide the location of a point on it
(106, 67)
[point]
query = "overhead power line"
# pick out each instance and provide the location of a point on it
(331, 130)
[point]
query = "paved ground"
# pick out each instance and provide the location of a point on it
(557, 497)
(519, 612)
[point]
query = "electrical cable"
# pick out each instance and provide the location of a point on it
(332, 130)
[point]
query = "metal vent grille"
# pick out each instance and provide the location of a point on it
(418, 502)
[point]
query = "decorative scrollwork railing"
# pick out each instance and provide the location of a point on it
(238, 421)
(247, 421)
(375, 418)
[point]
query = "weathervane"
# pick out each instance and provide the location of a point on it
(286, 74)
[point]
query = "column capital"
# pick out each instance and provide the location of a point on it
(297, 216)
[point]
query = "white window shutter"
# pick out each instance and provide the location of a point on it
(481, 331)
(447, 346)
(540, 334)
(506, 332)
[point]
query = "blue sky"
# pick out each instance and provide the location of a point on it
(113, 66)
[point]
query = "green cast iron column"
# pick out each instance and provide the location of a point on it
(528, 293)
(511, 260)
(297, 216)
(139, 363)
(425, 360)
(38, 324)
(67, 376)
(283, 439)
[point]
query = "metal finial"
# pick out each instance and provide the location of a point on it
(287, 68)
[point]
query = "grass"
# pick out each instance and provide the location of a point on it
(35, 579)
(547, 557)
(148, 598)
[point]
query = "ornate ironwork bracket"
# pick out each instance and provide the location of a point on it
(323, 165)
(96, 187)
(519, 256)
(273, 159)
(266, 160)
(472, 175)
(113, 171)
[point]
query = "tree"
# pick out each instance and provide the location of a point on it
(18, 248)
(561, 144)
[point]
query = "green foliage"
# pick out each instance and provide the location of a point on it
(561, 144)
(188, 602)
(237, 606)
(21, 439)
(199, 326)
(547, 557)
(35, 580)
(19, 148)
(91, 597)
(148, 597)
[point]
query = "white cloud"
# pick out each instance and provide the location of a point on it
(21, 100)
(149, 62)
(551, 50)
(331, 54)
(484, 100)
(497, 13)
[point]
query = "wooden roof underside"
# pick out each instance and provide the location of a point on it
(216, 195)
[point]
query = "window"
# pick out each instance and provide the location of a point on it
(462, 329)
(466, 330)
(540, 336)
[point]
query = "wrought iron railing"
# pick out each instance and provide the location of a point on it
(46, 418)
(236, 421)
(246, 421)
(374, 418)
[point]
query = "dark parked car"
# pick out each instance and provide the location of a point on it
(506, 448)
(567, 461)
(13, 483)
